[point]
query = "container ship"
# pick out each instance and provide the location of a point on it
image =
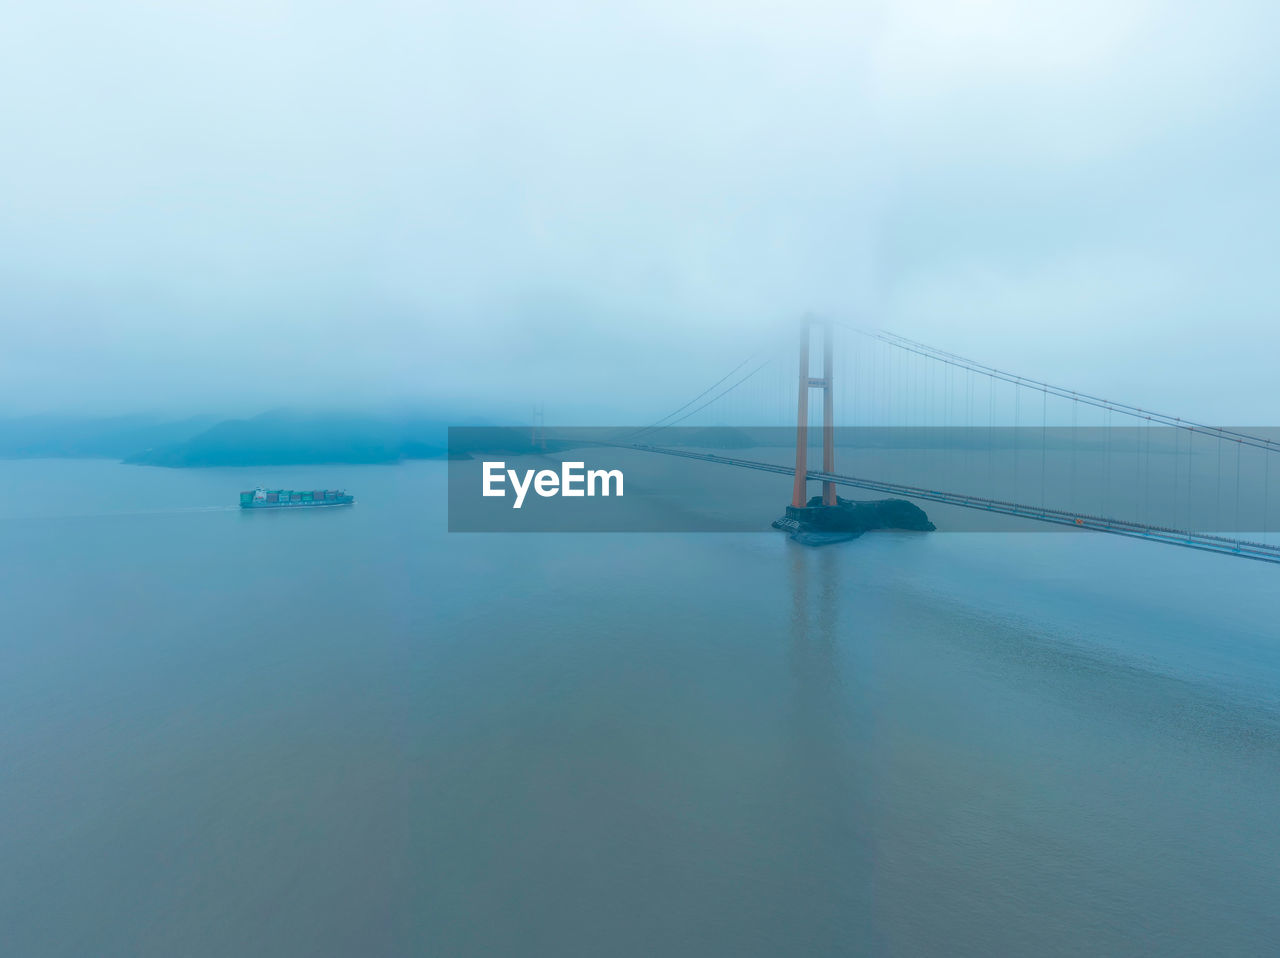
(293, 499)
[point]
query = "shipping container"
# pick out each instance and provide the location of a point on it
(261, 498)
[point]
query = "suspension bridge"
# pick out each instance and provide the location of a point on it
(1111, 467)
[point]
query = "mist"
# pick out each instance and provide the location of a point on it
(477, 207)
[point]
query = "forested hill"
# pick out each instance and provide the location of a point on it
(114, 437)
(282, 437)
(289, 438)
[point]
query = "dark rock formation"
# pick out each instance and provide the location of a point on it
(816, 524)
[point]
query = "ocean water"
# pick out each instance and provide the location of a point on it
(349, 732)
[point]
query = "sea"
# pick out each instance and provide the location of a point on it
(350, 732)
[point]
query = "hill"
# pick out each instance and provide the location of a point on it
(291, 438)
(50, 436)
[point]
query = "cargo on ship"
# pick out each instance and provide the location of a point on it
(293, 499)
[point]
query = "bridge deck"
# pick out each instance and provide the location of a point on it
(1135, 530)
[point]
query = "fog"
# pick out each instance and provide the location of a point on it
(604, 207)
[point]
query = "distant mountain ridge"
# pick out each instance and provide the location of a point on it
(112, 437)
(288, 438)
(277, 438)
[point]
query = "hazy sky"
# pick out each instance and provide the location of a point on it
(222, 207)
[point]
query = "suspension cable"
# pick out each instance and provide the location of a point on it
(921, 349)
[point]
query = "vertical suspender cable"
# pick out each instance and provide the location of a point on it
(1044, 442)
(1237, 528)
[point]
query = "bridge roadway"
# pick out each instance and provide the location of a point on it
(1134, 530)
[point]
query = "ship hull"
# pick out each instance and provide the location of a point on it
(294, 498)
(298, 505)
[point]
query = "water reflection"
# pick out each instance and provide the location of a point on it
(826, 810)
(815, 637)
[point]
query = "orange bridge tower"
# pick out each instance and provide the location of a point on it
(800, 492)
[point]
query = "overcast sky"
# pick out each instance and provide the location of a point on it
(223, 207)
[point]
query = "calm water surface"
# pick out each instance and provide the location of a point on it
(351, 733)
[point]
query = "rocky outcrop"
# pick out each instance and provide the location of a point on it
(816, 524)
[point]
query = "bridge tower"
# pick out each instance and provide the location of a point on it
(799, 490)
